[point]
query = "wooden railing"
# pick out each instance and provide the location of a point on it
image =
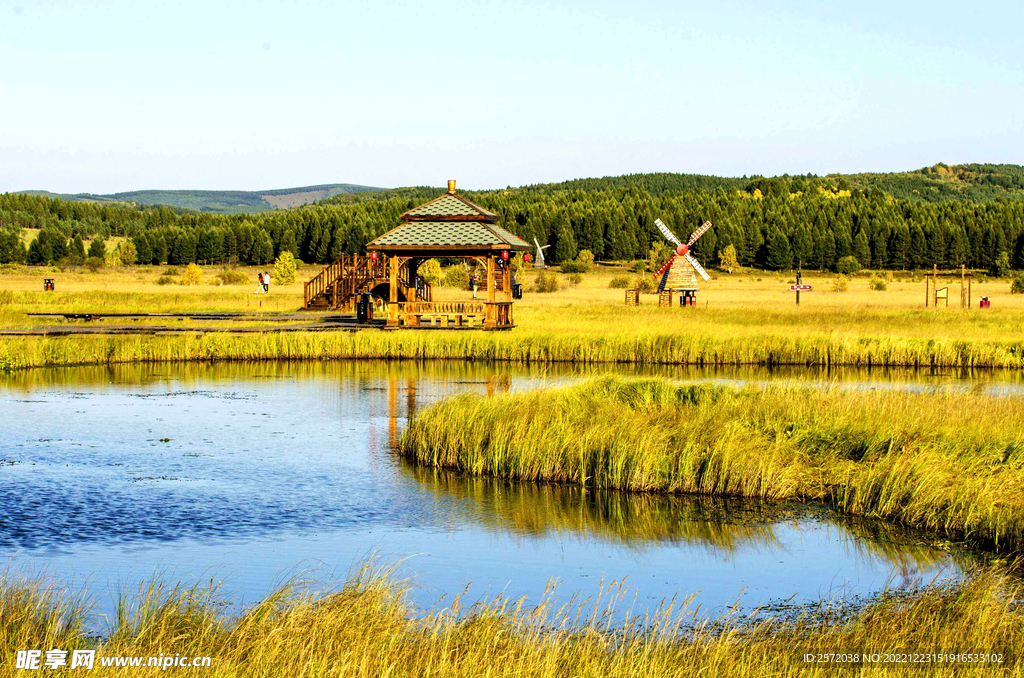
(443, 307)
(351, 273)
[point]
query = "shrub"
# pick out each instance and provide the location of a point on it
(124, 254)
(575, 279)
(847, 265)
(1017, 286)
(232, 277)
(639, 266)
(878, 284)
(164, 280)
(619, 282)
(840, 283)
(6, 297)
(546, 282)
(455, 276)
(430, 270)
(285, 267)
(193, 275)
(94, 264)
(581, 264)
(645, 284)
(170, 271)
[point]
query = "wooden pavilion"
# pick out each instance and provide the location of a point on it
(446, 227)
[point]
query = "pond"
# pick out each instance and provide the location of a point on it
(253, 473)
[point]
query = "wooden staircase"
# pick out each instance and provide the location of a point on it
(337, 285)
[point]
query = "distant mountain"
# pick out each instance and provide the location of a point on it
(219, 202)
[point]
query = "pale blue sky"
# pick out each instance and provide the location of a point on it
(112, 96)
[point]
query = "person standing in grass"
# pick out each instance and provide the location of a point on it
(259, 284)
(266, 282)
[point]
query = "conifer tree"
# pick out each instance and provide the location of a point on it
(778, 254)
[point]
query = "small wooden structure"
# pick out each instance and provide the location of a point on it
(633, 297)
(446, 227)
(934, 297)
(48, 285)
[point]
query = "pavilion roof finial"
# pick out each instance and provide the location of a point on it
(451, 187)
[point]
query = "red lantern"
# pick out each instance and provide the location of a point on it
(373, 255)
(526, 257)
(504, 255)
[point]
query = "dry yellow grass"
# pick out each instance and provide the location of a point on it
(744, 318)
(368, 629)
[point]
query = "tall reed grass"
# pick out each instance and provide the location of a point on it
(949, 463)
(367, 628)
(525, 347)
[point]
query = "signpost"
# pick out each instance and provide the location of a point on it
(798, 287)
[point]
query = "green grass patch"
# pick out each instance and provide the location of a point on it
(948, 463)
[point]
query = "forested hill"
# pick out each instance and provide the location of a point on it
(941, 182)
(219, 202)
(938, 183)
(776, 223)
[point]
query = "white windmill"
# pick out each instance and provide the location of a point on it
(538, 260)
(679, 273)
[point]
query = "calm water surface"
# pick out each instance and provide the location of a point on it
(250, 474)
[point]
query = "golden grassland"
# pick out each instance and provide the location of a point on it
(745, 318)
(951, 464)
(368, 628)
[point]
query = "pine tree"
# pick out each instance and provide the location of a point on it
(565, 247)
(778, 254)
(861, 249)
(58, 246)
(98, 249)
(142, 248)
(918, 248)
(230, 246)
(288, 243)
(77, 253)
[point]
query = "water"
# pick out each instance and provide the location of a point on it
(251, 474)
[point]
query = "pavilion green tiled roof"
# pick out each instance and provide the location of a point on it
(449, 205)
(448, 234)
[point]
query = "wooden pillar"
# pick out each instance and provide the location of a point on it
(506, 280)
(393, 289)
(491, 320)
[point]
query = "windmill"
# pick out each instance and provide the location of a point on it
(538, 261)
(679, 273)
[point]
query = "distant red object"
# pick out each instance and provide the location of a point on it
(526, 257)
(504, 255)
(373, 255)
(798, 288)
(48, 285)
(985, 302)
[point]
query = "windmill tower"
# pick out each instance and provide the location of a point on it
(538, 260)
(679, 273)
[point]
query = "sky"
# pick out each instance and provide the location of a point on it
(114, 96)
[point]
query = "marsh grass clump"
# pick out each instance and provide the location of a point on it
(896, 456)
(368, 627)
